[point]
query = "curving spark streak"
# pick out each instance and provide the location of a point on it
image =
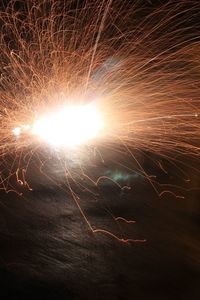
(69, 126)
(142, 61)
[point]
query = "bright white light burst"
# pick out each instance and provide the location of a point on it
(69, 126)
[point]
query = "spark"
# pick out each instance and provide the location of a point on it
(69, 126)
(17, 131)
(140, 62)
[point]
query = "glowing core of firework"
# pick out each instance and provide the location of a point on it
(69, 126)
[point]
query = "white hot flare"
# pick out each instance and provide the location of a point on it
(69, 126)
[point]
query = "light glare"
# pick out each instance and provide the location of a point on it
(70, 126)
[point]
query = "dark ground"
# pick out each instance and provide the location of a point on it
(48, 252)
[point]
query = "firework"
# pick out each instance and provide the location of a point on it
(106, 74)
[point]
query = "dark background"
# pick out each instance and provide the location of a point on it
(47, 250)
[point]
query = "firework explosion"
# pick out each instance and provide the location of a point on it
(120, 75)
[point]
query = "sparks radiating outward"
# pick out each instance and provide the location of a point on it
(70, 126)
(102, 74)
